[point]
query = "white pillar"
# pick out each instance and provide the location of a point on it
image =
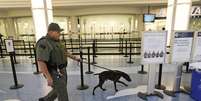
(73, 24)
(178, 15)
(42, 16)
(183, 12)
(171, 10)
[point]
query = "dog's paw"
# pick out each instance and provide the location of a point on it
(104, 89)
(93, 93)
(116, 90)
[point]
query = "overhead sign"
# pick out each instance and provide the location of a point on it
(181, 47)
(196, 54)
(154, 47)
(9, 45)
(196, 11)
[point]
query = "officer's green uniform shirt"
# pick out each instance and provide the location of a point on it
(50, 51)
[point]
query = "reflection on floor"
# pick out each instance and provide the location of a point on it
(35, 86)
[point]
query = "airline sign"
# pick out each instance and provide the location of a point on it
(196, 11)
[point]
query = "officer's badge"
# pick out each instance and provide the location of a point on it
(42, 46)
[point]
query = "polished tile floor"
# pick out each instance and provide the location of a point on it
(35, 86)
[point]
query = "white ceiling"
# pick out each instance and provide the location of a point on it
(14, 8)
(78, 3)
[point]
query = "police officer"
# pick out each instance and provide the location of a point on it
(52, 60)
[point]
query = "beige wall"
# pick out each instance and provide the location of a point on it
(93, 10)
(10, 27)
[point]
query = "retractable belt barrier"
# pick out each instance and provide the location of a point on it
(97, 65)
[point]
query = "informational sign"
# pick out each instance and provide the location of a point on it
(196, 54)
(182, 46)
(196, 85)
(195, 65)
(196, 11)
(9, 45)
(154, 47)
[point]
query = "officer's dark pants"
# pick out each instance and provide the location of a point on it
(59, 88)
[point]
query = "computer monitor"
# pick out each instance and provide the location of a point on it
(149, 17)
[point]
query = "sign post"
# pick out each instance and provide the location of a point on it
(10, 50)
(153, 54)
(180, 53)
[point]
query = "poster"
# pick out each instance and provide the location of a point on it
(181, 47)
(197, 48)
(9, 45)
(154, 47)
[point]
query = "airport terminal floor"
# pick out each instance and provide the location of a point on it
(35, 86)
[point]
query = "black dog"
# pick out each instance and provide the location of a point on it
(113, 75)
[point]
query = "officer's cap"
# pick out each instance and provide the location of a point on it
(54, 27)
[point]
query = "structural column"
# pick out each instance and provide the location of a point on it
(178, 15)
(42, 16)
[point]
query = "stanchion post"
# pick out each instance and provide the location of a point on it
(126, 53)
(37, 69)
(89, 65)
(79, 40)
(1, 46)
(1, 50)
(94, 53)
(24, 46)
(71, 43)
(96, 40)
(16, 85)
(159, 86)
(14, 57)
(65, 44)
(95, 47)
(82, 86)
(119, 44)
(30, 50)
(122, 45)
(142, 70)
(130, 55)
(187, 68)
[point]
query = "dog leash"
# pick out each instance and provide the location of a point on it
(97, 66)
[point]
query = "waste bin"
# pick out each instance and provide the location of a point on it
(196, 85)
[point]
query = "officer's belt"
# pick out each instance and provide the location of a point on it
(55, 67)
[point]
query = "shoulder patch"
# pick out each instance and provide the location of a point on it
(42, 46)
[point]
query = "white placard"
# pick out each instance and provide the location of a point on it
(195, 10)
(153, 47)
(182, 46)
(195, 65)
(9, 45)
(196, 54)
